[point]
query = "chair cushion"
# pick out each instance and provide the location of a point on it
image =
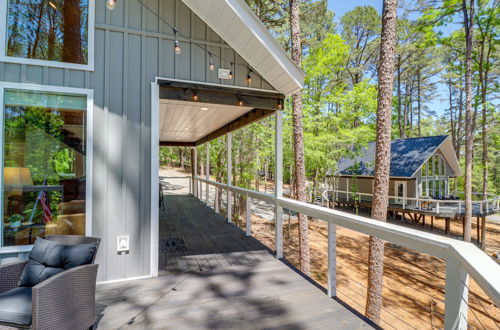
(49, 258)
(15, 306)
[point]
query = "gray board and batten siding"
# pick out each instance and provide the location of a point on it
(132, 47)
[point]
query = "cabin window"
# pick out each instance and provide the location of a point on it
(43, 166)
(48, 32)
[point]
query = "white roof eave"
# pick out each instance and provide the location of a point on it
(244, 17)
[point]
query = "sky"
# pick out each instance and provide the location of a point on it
(340, 7)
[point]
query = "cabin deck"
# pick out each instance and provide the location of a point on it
(215, 277)
(447, 209)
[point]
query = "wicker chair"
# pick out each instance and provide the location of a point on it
(64, 301)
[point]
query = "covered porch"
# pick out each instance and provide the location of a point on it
(213, 276)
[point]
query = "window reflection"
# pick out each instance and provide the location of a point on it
(54, 30)
(44, 165)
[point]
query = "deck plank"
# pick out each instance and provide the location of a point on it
(221, 280)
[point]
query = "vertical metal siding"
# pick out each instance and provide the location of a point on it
(132, 47)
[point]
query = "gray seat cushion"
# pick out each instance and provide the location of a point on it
(49, 258)
(15, 306)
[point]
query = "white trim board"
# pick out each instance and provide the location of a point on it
(21, 60)
(88, 157)
(236, 24)
(155, 180)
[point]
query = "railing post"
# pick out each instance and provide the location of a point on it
(207, 173)
(229, 172)
(278, 188)
(332, 260)
(456, 296)
(190, 184)
(248, 216)
(216, 200)
(194, 161)
(437, 207)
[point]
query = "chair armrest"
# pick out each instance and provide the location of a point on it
(66, 300)
(10, 274)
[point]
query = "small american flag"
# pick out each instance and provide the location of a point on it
(47, 214)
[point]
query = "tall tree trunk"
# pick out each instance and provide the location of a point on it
(181, 157)
(419, 104)
(400, 124)
(468, 13)
(298, 140)
(452, 117)
(382, 157)
(38, 30)
(72, 41)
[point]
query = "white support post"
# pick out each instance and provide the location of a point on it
(347, 188)
(229, 172)
(200, 193)
(248, 215)
(216, 200)
(456, 296)
(207, 174)
(332, 260)
(195, 171)
(433, 176)
(427, 179)
(440, 177)
(278, 189)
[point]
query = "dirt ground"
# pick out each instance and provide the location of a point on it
(413, 294)
(413, 282)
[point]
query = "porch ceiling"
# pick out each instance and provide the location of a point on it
(184, 121)
(192, 113)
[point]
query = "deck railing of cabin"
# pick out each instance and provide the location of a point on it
(462, 259)
(486, 207)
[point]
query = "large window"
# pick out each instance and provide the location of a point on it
(55, 32)
(44, 165)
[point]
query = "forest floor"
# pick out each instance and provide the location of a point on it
(414, 282)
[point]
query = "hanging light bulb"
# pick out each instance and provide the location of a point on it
(231, 70)
(111, 4)
(195, 97)
(211, 66)
(280, 106)
(177, 46)
(240, 102)
(249, 77)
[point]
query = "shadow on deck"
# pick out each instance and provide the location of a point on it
(215, 277)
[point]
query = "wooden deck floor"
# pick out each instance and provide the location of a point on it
(217, 279)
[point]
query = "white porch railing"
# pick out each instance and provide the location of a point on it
(462, 259)
(484, 207)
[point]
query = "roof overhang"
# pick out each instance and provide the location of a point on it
(234, 22)
(192, 113)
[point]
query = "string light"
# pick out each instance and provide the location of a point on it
(249, 77)
(177, 47)
(111, 4)
(211, 66)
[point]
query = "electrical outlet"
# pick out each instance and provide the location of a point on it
(123, 243)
